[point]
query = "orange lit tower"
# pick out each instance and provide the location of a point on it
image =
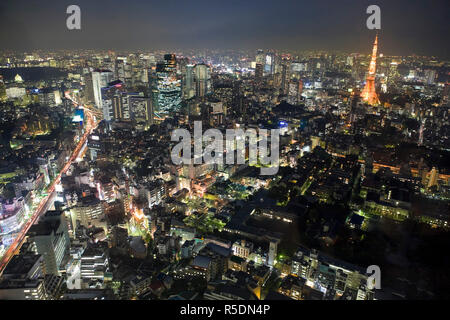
(368, 94)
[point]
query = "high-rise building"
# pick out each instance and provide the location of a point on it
(112, 104)
(120, 66)
(95, 146)
(269, 65)
(188, 82)
(430, 76)
(168, 86)
(260, 57)
(100, 79)
(51, 239)
(94, 265)
(272, 253)
(89, 92)
(23, 289)
(285, 76)
(141, 109)
(23, 278)
(202, 80)
(295, 91)
(258, 72)
(445, 98)
(368, 94)
(89, 210)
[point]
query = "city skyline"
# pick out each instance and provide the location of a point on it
(406, 28)
(260, 173)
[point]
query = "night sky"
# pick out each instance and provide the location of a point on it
(407, 27)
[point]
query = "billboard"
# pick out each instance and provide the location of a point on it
(78, 116)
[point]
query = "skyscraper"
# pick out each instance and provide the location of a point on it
(51, 238)
(269, 66)
(368, 94)
(188, 82)
(260, 57)
(202, 80)
(285, 76)
(89, 94)
(168, 86)
(258, 72)
(100, 79)
(295, 91)
(112, 106)
(272, 253)
(120, 64)
(141, 109)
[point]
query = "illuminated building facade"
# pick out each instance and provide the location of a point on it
(114, 101)
(202, 80)
(141, 109)
(51, 238)
(11, 215)
(94, 266)
(188, 82)
(100, 79)
(168, 86)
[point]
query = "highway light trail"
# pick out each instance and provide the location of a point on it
(47, 200)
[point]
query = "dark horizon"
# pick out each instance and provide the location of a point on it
(407, 27)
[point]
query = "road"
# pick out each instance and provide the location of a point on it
(46, 202)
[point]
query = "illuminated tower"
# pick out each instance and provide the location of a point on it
(368, 94)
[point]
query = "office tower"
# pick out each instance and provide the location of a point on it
(368, 94)
(26, 265)
(170, 62)
(168, 87)
(260, 57)
(112, 105)
(445, 95)
(118, 106)
(51, 239)
(89, 94)
(94, 265)
(89, 210)
(202, 80)
(258, 72)
(188, 82)
(49, 97)
(430, 76)
(269, 65)
(120, 68)
(141, 109)
(238, 99)
(23, 289)
(23, 278)
(100, 79)
(123, 68)
(95, 146)
(181, 65)
(285, 76)
(393, 74)
(272, 253)
(295, 91)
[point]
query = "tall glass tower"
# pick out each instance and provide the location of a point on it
(168, 85)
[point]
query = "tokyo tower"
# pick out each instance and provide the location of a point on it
(368, 94)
